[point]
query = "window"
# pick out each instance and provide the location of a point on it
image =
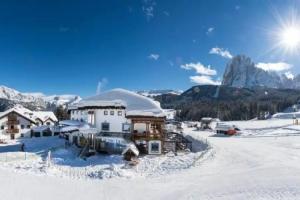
(105, 112)
(112, 112)
(37, 124)
(154, 147)
(28, 126)
(105, 126)
(12, 127)
(2, 127)
(22, 126)
(126, 127)
(120, 113)
(48, 124)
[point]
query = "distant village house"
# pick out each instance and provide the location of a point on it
(19, 121)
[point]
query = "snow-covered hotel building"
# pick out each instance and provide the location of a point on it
(19, 121)
(120, 111)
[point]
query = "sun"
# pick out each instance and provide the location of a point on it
(285, 34)
(290, 37)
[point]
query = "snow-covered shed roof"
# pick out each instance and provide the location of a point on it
(40, 128)
(69, 129)
(133, 149)
(134, 102)
(74, 125)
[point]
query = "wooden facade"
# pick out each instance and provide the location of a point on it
(12, 124)
(154, 131)
(154, 128)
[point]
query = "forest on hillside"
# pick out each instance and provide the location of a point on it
(227, 103)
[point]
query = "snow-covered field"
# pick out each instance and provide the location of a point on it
(50, 156)
(261, 163)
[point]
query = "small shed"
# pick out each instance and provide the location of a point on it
(205, 122)
(130, 152)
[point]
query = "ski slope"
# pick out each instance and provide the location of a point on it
(243, 167)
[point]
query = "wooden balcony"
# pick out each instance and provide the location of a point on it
(146, 135)
(13, 122)
(12, 131)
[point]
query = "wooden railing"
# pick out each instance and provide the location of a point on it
(11, 122)
(146, 135)
(11, 131)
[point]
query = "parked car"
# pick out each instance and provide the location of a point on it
(226, 129)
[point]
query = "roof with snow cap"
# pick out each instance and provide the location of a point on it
(135, 104)
(30, 115)
(75, 125)
(45, 115)
(132, 148)
(101, 104)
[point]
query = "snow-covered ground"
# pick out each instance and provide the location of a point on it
(50, 156)
(248, 166)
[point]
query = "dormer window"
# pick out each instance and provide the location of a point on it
(105, 112)
(112, 112)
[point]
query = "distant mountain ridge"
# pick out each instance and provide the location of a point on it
(241, 72)
(36, 101)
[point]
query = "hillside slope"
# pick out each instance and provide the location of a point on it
(229, 103)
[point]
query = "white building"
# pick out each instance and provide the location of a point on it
(109, 111)
(123, 111)
(18, 121)
(106, 116)
(170, 114)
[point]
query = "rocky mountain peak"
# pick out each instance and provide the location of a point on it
(241, 72)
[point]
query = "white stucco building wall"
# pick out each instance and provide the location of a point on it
(104, 119)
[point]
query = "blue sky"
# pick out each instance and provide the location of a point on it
(58, 47)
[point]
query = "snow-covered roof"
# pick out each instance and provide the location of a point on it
(144, 113)
(31, 115)
(101, 103)
(24, 112)
(69, 129)
(131, 147)
(134, 102)
(72, 123)
(44, 115)
(290, 115)
(88, 130)
(40, 128)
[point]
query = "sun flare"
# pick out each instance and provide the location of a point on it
(290, 37)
